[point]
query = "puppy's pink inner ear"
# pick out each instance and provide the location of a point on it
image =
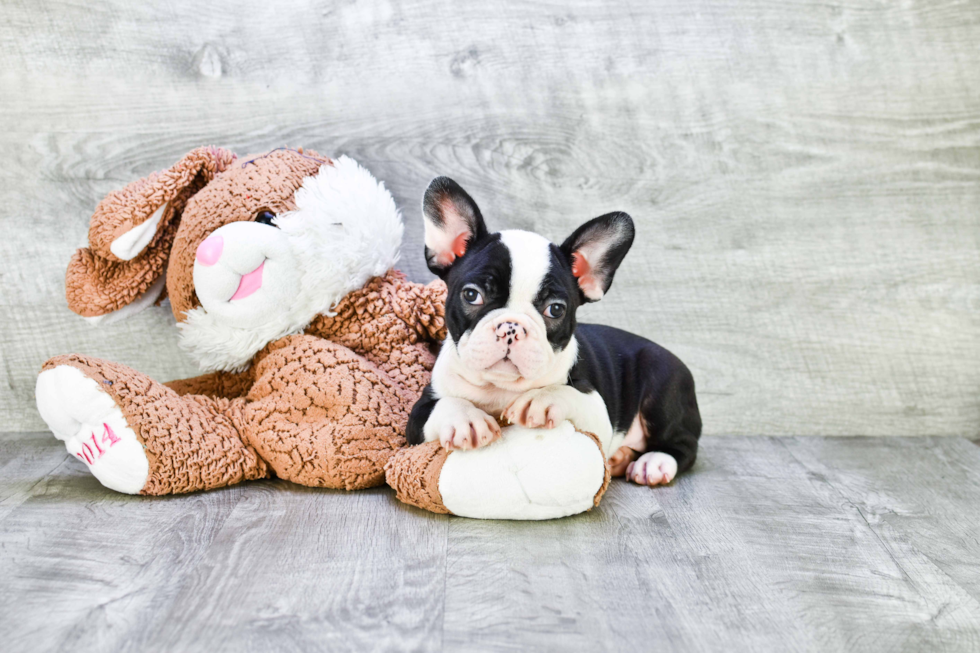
(456, 249)
(587, 280)
(580, 265)
(450, 250)
(459, 245)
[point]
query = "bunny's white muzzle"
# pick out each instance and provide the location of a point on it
(246, 273)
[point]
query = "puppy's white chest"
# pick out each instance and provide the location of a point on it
(488, 398)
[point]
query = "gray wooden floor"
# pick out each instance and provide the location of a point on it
(789, 544)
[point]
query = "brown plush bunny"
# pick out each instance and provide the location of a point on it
(278, 270)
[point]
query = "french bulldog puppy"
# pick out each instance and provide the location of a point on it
(514, 348)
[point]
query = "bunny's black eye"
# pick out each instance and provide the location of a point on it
(265, 217)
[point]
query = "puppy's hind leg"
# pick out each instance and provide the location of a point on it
(633, 446)
(672, 425)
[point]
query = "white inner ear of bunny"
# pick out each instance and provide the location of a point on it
(345, 230)
(143, 301)
(130, 244)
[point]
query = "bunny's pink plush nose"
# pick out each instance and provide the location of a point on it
(209, 251)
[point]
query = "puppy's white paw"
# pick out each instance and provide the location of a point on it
(654, 468)
(92, 427)
(458, 424)
(540, 408)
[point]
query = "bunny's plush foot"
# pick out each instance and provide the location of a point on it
(90, 423)
(138, 436)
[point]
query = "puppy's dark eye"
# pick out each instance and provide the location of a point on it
(554, 311)
(265, 217)
(471, 295)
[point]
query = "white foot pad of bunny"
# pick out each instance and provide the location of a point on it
(458, 424)
(652, 468)
(92, 427)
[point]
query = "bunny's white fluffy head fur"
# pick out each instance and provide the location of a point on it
(345, 230)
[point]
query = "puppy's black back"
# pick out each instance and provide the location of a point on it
(633, 374)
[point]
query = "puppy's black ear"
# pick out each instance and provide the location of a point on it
(452, 224)
(595, 251)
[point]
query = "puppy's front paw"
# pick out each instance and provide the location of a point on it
(654, 468)
(540, 408)
(458, 424)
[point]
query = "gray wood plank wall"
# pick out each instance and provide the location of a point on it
(805, 175)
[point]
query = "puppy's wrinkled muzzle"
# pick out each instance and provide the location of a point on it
(507, 344)
(510, 332)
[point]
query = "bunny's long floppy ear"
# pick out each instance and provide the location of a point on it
(130, 236)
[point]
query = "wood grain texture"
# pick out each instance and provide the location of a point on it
(788, 544)
(752, 551)
(326, 571)
(804, 175)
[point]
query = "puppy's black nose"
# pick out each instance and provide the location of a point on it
(510, 331)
